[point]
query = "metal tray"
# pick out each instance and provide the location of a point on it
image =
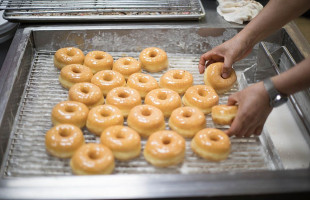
(33, 90)
(101, 10)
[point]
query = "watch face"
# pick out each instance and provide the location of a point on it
(279, 100)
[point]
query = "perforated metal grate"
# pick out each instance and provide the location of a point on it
(26, 151)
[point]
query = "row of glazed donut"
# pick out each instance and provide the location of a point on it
(152, 59)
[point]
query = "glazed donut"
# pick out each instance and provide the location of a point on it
(86, 93)
(212, 144)
(213, 78)
(164, 148)
(124, 98)
(68, 55)
(127, 66)
(187, 121)
(143, 83)
(70, 112)
(165, 99)
(223, 114)
(92, 159)
(63, 140)
(153, 59)
(106, 80)
(202, 97)
(177, 80)
(103, 116)
(124, 142)
(98, 60)
(74, 73)
(146, 119)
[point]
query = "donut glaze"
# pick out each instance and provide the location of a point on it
(212, 144)
(68, 55)
(164, 148)
(98, 60)
(103, 116)
(153, 59)
(146, 119)
(202, 97)
(165, 99)
(63, 140)
(177, 80)
(143, 83)
(213, 78)
(70, 112)
(124, 142)
(92, 159)
(127, 66)
(124, 98)
(86, 93)
(187, 121)
(106, 80)
(74, 73)
(223, 114)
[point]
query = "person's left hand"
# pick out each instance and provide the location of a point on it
(253, 110)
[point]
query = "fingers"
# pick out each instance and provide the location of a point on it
(226, 71)
(232, 100)
(211, 57)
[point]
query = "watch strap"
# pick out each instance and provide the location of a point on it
(272, 92)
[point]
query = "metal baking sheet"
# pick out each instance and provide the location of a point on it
(101, 10)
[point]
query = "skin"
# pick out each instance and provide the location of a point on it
(253, 101)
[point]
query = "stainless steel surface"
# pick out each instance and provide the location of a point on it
(101, 10)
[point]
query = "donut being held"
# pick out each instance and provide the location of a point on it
(224, 114)
(68, 55)
(70, 112)
(106, 80)
(146, 119)
(187, 121)
(63, 140)
(127, 66)
(86, 93)
(177, 80)
(213, 78)
(74, 73)
(103, 116)
(211, 144)
(124, 98)
(165, 99)
(143, 83)
(98, 60)
(92, 159)
(164, 148)
(153, 59)
(201, 96)
(124, 142)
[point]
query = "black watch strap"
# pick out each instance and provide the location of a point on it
(275, 97)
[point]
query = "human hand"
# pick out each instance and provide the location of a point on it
(229, 52)
(253, 110)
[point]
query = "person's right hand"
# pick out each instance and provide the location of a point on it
(229, 52)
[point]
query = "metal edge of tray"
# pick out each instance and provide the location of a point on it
(142, 186)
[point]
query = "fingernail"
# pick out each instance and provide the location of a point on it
(225, 75)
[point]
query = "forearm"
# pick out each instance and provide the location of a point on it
(275, 15)
(295, 79)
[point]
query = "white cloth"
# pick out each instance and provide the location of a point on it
(238, 11)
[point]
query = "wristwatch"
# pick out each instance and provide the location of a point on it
(275, 97)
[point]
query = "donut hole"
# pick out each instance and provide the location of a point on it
(179, 75)
(166, 141)
(85, 90)
(123, 95)
(162, 96)
(99, 57)
(69, 109)
(214, 138)
(143, 80)
(71, 52)
(94, 155)
(187, 114)
(64, 132)
(120, 135)
(202, 92)
(126, 62)
(107, 77)
(76, 70)
(104, 113)
(153, 54)
(146, 112)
